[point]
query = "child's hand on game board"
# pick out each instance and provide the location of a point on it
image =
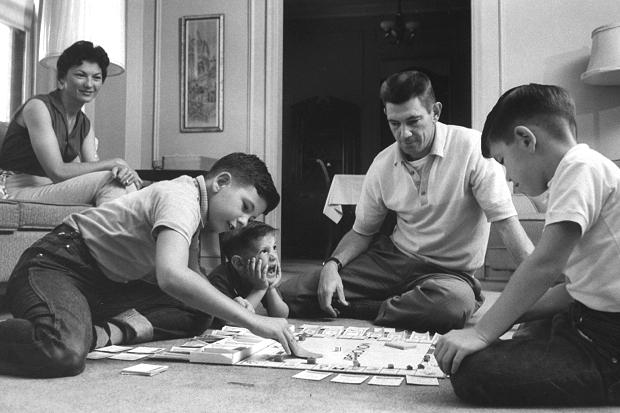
(275, 328)
(453, 347)
(245, 304)
(257, 273)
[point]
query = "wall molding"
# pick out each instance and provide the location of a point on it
(265, 27)
(486, 81)
(155, 155)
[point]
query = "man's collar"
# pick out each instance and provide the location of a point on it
(204, 201)
(437, 148)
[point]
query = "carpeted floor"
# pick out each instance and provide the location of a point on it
(186, 387)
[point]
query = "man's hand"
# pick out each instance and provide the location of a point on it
(245, 304)
(329, 283)
(257, 273)
(454, 346)
(275, 328)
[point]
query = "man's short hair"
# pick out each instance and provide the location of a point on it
(80, 52)
(403, 86)
(240, 240)
(249, 170)
(549, 106)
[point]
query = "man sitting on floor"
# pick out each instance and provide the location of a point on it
(444, 194)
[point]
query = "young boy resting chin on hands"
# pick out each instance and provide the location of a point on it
(251, 274)
(532, 132)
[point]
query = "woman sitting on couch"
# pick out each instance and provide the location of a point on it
(49, 153)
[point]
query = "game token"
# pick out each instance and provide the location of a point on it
(409, 367)
(420, 366)
(427, 357)
(356, 363)
(311, 360)
(302, 337)
(337, 348)
(390, 366)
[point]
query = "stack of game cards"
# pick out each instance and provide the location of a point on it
(144, 369)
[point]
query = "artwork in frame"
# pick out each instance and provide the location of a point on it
(202, 73)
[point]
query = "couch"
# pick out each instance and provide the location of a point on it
(23, 222)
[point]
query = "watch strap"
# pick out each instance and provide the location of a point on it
(336, 260)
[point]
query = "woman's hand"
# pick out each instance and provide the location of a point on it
(126, 175)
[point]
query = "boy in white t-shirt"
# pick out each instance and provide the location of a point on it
(532, 132)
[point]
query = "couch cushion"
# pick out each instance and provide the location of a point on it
(9, 215)
(30, 215)
(39, 215)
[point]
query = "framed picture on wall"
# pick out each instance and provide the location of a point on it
(202, 73)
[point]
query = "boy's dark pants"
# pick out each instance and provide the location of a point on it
(576, 363)
(56, 293)
(385, 285)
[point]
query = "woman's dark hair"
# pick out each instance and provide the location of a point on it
(79, 52)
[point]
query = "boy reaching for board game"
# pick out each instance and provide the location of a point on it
(130, 265)
(251, 274)
(532, 131)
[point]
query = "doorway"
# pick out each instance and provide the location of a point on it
(335, 54)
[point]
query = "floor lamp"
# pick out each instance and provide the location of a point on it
(63, 22)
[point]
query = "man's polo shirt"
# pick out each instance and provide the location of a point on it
(446, 219)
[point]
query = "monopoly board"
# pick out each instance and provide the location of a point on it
(378, 351)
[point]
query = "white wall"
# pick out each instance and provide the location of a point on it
(544, 41)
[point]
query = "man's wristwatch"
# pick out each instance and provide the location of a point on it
(336, 260)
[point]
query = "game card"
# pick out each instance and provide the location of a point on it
(114, 349)
(385, 381)
(145, 350)
(311, 375)
(144, 369)
(97, 355)
(349, 378)
(422, 381)
(128, 356)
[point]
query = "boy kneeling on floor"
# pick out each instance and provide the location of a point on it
(532, 132)
(130, 266)
(252, 272)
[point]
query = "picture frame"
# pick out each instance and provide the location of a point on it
(202, 73)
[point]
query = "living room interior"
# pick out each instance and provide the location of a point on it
(284, 65)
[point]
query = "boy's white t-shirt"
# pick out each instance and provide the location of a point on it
(585, 189)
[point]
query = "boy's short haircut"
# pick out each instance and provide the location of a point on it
(249, 170)
(240, 240)
(547, 105)
(402, 86)
(80, 52)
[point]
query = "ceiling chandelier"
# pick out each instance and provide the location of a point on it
(398, 29)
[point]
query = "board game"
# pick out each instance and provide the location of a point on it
(377, 351)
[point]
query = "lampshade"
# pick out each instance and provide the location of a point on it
(102, 22)
(604, 65)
